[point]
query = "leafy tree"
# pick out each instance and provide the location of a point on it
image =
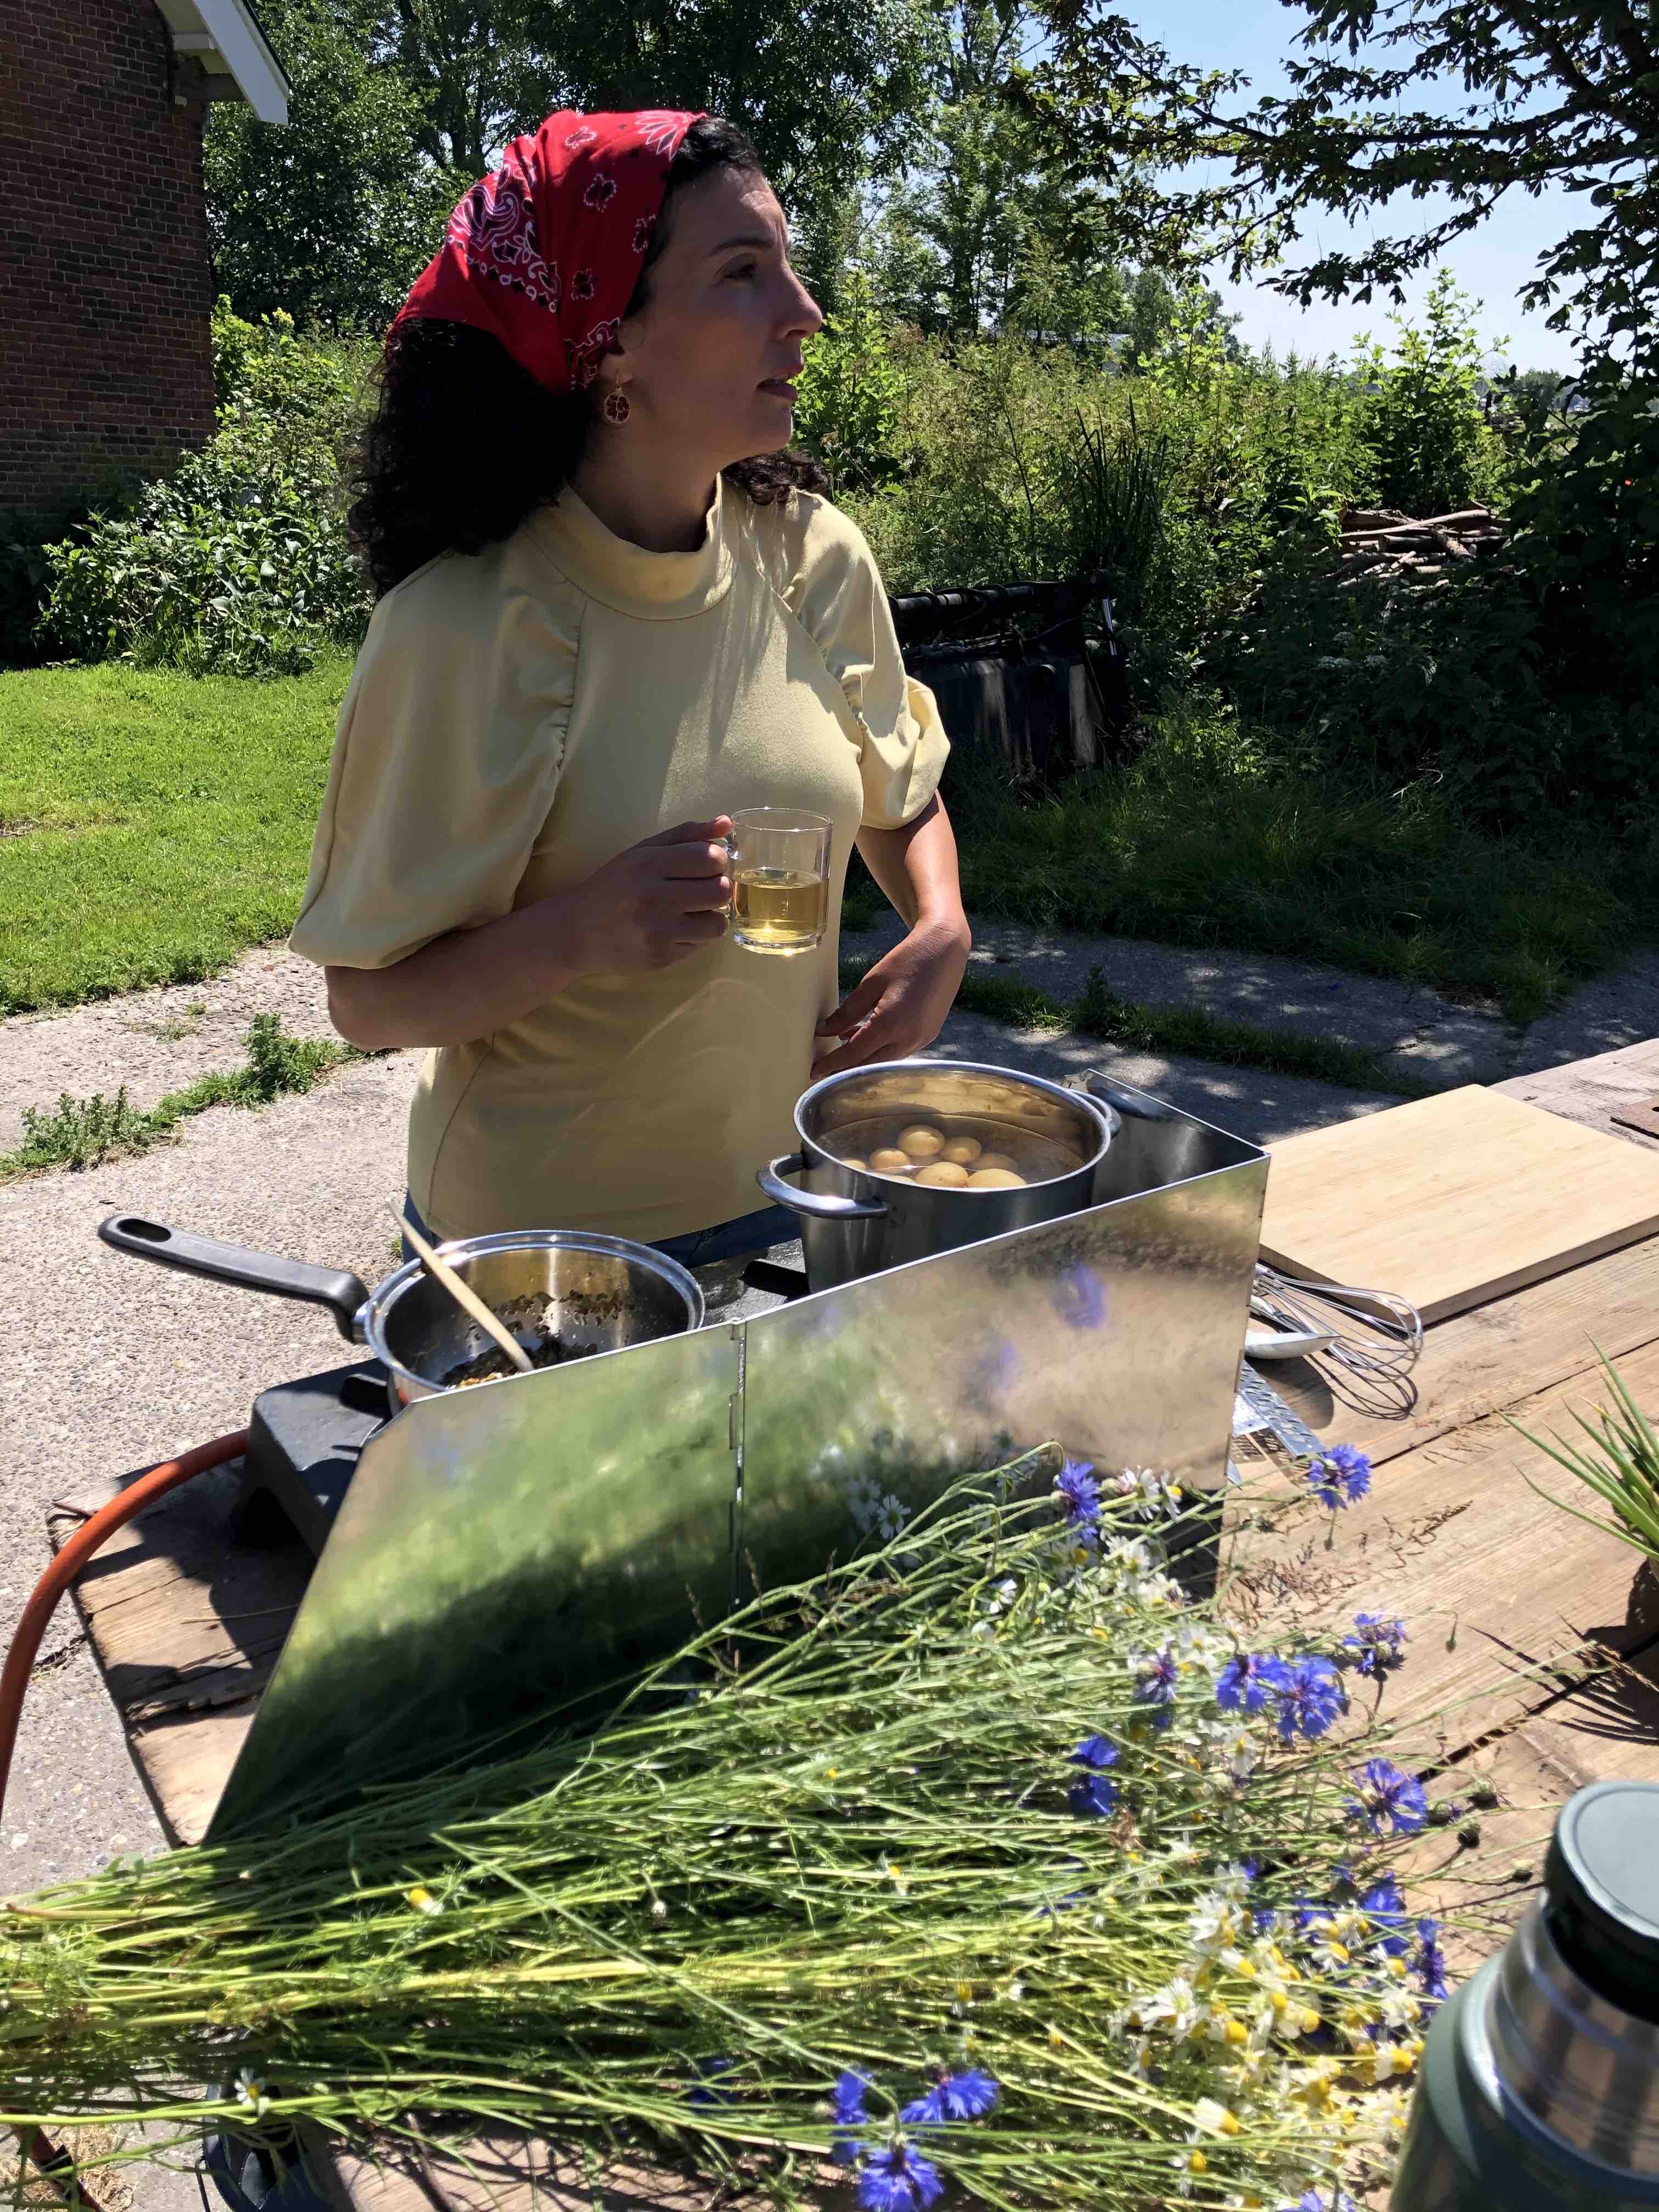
(329, 216)
(850, 391)
(989, 228)
(1390, 100)
(399, 104)
(1424, 421)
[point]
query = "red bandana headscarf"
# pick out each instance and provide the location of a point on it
(544, 252)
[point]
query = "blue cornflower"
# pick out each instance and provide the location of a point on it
(1096, 1753)
(1375, 1647)
(1157, 1686)
(1389, 1798)
(1080, 1297)
(1077, 1486)
(710, 2068)
(1339, 1476)
(846, 2099)
(1093, 1797)
(1385, 1905)
(965, 2096)
(1246, 1681)
(1312, 2200)
(897, 2180)
(1310, 1701)
(1430, 1960)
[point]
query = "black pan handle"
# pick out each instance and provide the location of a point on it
(333, 1287)
(1134, 1105)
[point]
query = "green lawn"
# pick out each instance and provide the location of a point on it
(151, 824)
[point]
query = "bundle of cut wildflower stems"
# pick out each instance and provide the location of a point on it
(971, 1822)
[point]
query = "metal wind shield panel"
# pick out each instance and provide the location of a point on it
(505, 1549)
(500, 1549)
(1114, 1333)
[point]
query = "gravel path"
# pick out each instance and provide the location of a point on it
(160, 1040)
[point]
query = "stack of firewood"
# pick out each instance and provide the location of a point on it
(1424, 548)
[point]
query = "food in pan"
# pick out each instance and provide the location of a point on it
(493, 1365)
(952, 1152)
(943, 1175)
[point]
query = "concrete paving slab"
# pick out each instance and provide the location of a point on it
(1244, 1100)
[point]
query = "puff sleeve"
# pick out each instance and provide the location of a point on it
(445, 759)
(836, 592)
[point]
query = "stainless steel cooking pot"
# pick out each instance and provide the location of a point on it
(595, 1293)
(853, 1223)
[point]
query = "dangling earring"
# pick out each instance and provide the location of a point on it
(617, 409)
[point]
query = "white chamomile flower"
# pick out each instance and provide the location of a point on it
(251, 2091)
(1390, 2060)
(1174, 2008)
(1398, 2007)
(1393, 2108)
(1211, 2119)
(1212, 1925)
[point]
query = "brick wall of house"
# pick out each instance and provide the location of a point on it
(105, 363)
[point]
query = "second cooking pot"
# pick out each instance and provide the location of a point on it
(853, 1223)
(595, 1293)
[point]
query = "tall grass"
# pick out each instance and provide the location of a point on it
(1206, 841)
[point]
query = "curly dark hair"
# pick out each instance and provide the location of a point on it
(421, 488)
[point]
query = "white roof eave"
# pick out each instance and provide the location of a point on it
(242, 47)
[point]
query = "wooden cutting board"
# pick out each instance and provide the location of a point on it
(1454, 1200)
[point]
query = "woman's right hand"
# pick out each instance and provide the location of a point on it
(658, 901)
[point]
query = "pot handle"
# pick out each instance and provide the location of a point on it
(1133, 1105)
(341, 1293)
(820, 1208)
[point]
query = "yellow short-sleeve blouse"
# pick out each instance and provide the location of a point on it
(518, 716)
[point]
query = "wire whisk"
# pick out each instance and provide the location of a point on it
(1376, 1336)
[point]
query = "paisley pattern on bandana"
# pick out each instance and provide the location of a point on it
(581, 194)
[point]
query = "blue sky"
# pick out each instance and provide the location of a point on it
(1491, 262)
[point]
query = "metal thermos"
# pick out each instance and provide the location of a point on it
(1540, 2087)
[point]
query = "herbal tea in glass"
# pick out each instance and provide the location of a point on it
(780, 879)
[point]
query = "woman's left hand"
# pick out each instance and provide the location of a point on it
(900, 1007)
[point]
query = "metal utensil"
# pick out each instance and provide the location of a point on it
(1373, 1339)
(469, 1300)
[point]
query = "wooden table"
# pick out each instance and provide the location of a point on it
(1540, 1633)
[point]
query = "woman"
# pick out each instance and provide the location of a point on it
(605, 627)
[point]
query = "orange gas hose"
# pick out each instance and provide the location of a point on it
(43, 1599)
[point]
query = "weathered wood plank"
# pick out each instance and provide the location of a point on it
(1512, 1348)
(1491, 1578)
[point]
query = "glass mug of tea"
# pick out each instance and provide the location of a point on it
(780, 866)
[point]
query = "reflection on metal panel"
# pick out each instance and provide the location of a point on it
(500, 1547)
(1115, 1331)
(504, 1547)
